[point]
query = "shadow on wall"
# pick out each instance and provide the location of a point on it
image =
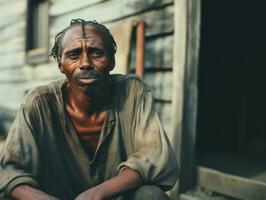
(6, 118)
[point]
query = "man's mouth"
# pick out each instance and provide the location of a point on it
(87, 81)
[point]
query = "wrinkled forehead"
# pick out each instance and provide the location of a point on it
(87, 31)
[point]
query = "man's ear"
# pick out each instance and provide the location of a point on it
(61, 68)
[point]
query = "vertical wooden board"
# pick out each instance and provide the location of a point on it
(186, 49)
(160, 84)
(179, 56)
(190, 96)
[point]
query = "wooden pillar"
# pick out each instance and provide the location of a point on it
(140, 46)
(185, 63)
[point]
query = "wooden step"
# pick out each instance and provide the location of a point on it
(231, 185)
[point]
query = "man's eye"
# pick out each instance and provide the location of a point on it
(96, 54)
(73, 55)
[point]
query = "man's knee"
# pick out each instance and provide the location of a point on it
(149, 192)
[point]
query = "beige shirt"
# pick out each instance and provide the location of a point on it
(43, 150)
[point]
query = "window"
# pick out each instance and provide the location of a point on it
(37, 31)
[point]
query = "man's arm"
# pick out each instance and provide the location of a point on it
(26, 192)
(126, 180)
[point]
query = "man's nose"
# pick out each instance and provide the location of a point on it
(85, 62)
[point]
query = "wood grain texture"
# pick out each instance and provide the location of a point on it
(160, 84)
(12, 94)
(18, 74)
(157, 22)
(47, 71)
(12, 11)
(187, 178)
(185, 48)
(62, 7)
(107, 11)
(12, 45)
(12, 34)
(11, 31)
(12, 60)
(158, 53)
(235, 186)
(44, 72)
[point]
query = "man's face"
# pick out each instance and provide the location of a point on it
(85, 60)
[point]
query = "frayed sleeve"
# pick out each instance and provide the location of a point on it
(19, 155)
(153, 155)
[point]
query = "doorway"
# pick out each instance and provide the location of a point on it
(231, 125)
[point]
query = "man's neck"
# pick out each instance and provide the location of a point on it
(80, 102)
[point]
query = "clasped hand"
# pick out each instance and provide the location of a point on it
(94, 193)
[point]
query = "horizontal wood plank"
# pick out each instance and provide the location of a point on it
(231, 185)
(160, 84)
(12, 60)
(42, 72)
(12, 93)
(16, 29)
(12, 11)
(107, 11)
(47, 71)
(12, 45)
(18, 74)
(156, 21)
(66, 6)
(158, 53)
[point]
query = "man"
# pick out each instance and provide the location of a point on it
(92, 136)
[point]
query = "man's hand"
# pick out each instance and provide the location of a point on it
(126, 180)
(94, 193)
